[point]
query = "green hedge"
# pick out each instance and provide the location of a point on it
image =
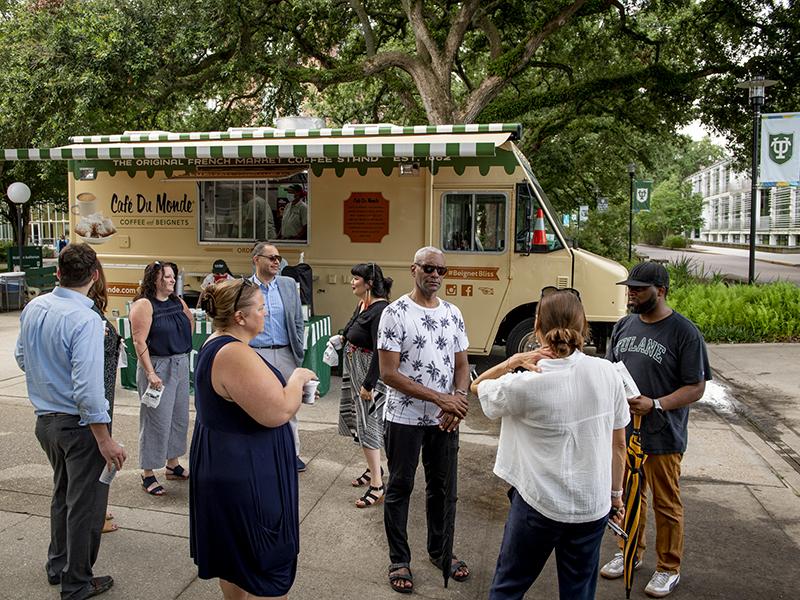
(740, 313)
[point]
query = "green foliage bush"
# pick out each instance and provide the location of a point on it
(675, 241)
(739, 313)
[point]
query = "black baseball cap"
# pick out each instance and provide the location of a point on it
(220, 266)
(646, 274)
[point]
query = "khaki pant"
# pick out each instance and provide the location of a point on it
(662, 474)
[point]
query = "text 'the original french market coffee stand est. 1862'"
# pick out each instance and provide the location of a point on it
(338, 196)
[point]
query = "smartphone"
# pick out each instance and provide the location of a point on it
(616, 529)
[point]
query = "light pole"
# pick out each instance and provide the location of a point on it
(19, 194)
(631, 173)
(756, 85)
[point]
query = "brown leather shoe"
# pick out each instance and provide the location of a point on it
(99, 585)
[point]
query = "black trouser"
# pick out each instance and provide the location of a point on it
(78, 508)
(439, 458)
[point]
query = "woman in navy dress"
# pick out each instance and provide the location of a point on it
(243, 500)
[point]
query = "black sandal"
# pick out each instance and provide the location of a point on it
(147, 483)
(394, 576)
(369, 499)
(364, 478)
(177, 472)
(454, 568)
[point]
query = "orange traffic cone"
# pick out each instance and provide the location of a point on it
(539, 234)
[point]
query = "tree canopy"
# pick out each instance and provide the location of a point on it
(596, 83)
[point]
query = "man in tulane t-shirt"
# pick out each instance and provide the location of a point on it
(666, 356)
(422, 347)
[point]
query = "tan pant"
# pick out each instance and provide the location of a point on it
(662, 474)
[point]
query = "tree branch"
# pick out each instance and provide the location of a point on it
(456, 35)
(623, 17)
(366, 27)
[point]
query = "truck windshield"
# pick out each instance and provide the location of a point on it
(534, 231)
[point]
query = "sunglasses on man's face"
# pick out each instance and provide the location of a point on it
(551, 289)
(428, 269)
(245, 283)
(271, 257)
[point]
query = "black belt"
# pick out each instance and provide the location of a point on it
(273, 347)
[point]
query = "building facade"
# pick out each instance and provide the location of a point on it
(48, 223)
(726, 210)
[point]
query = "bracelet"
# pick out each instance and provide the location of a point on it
(462, 392)
(616, 493)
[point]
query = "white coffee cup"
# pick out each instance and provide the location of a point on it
(310, 391)
(86, 204)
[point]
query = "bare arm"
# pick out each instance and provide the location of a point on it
(238, 374)
(451, 403)
(141, 319)
(683, 396)
(526, 360)
(188, 314)
(618, 451)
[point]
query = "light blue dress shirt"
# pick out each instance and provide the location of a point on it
(274, 333)
(60, 348)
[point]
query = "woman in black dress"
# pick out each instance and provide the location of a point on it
(111, 350)
(243, 502)
(363, 393)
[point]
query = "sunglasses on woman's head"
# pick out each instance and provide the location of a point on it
(245, 283)
(551, 289)
(428, 269)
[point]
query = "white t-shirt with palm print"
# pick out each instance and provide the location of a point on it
(427, 340)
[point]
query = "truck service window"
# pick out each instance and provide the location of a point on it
(250, 210)
(474, 221)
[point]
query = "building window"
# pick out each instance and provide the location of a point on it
(474, 222)
(250, 210)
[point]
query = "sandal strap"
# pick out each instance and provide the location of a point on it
(177, 470)
(365, 477)
(400, 565)
(369, 498)
(150, 480)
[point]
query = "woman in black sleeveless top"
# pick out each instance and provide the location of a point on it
(161, 327)
(243, 502)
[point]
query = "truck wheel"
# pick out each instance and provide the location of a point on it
(521, 338)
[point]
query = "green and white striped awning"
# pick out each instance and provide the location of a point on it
(371, 141)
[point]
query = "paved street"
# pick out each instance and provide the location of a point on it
(770, 266)
(741, 493)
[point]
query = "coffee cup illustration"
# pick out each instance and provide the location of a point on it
(86, 204)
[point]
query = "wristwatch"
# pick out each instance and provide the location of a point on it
(657, 405)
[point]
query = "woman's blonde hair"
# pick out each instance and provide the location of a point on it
(222, 300)
(561, 323)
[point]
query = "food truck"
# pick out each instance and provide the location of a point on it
(333, 197)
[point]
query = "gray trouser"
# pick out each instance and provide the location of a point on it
(78, 507)
(283, 360)
(163, 429)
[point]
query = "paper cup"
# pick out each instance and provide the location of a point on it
(310, 391)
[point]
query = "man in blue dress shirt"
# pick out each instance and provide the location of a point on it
(281, 341)
(60, 348)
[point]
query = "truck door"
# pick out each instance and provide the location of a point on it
(474, 232)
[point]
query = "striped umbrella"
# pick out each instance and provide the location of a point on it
(633, 501)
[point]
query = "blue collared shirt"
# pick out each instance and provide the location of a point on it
(274, 333)
(60, 348)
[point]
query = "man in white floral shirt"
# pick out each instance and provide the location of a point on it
(422, 348)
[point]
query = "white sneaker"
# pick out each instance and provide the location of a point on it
(662, 583)
(615, 568)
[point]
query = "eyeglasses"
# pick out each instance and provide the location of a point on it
(428, 269)
(245, 283)
(271, 257)
(551, 289)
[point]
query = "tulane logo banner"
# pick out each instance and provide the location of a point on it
(642, 189)
(780, 155)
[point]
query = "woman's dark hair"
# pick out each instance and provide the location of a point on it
(147, 289)
(219, 300)
(98, 293)
(76, 263)
(380, 286)
(561, 323)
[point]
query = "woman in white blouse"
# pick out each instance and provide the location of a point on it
(562, 449)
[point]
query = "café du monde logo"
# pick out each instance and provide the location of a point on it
(781, 146)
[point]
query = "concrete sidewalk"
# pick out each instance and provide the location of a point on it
(740, 495)
(778, 258)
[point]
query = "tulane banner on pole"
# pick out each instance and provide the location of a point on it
(780, 155)
(642, 189)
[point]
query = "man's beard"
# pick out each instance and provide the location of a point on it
(645, 307)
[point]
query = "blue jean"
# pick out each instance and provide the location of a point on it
(529, 539)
